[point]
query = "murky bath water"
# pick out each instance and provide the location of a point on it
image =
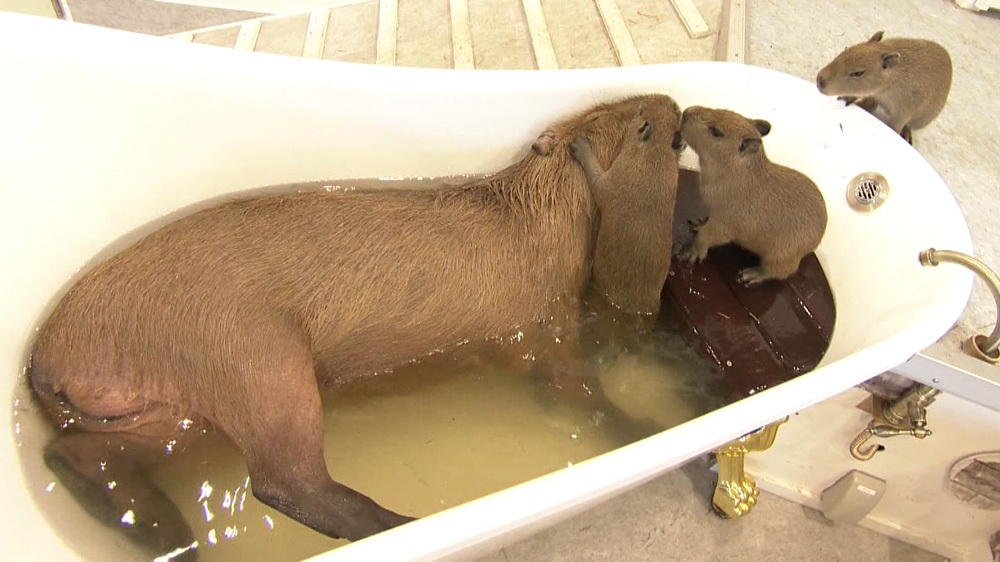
(425, 437)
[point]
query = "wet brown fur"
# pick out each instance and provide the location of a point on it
(771, 210)
(909, 78)
(636, 196)
(236, 314)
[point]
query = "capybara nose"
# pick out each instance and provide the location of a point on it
(820, 83)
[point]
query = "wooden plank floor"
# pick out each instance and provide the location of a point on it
(491, 34)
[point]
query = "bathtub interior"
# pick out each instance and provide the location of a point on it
(105, 132)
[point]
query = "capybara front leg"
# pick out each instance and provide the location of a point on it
(710, 234)
(104, 473)
(283, 446)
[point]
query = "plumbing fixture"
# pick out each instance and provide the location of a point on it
(907, 415)
(979, 346)
(866, 192)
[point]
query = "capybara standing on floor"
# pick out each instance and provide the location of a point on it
(908, 78)
(237, 314)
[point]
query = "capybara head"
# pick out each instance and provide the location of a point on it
(605, 125)
(720, 133)
(860, 70)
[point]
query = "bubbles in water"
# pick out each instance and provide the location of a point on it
(128, 518)
(212, 539)
(268, 522)
(112, 485)
(50, 486)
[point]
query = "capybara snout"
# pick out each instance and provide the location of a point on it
(237, 314)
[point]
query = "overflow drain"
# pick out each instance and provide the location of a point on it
(867, 191)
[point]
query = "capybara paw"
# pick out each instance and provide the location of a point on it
(752, 276)
(579, 147)
(693, 254)
(907, 135)
(848, 100)
(695, 224)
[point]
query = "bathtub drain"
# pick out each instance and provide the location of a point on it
(867, 191)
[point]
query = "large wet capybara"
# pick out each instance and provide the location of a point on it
(235, 316)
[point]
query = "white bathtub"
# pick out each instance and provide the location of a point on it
(103, 131)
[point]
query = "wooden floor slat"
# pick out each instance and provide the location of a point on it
(541, 42)
(388, 23)
(618, 32)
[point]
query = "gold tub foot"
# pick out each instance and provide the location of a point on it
(735, 492)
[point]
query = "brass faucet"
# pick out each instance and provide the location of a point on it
(980, 346)
(907, 415)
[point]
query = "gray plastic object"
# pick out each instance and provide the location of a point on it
(852, 497)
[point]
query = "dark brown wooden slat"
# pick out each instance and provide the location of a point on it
(778, 312)
(759, 336)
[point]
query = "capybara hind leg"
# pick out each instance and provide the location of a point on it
(768, 269)
(104, 473)
(282, 440)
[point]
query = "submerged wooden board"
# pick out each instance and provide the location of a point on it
(759, 336)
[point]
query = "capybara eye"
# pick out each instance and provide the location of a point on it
(645, 130)
(715, 132)
(857, 74)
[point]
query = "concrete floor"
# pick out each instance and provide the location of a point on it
(670, 517)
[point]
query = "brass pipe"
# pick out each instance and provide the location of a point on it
(913, 401)
(987, 345)
(864, 454)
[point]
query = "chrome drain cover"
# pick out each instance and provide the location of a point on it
(867, 191)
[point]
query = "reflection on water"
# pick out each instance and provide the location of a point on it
(426, 436)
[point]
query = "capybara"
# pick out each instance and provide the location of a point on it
(909, 78)
(772, 210)
(636, 198)
(236, 315)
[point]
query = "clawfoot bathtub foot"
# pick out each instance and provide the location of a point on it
(735, 492)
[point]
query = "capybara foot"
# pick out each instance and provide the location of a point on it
(85, 463)
(364, 527)
(907, 135)
(752, 276)
(694, 253)
(695, 224)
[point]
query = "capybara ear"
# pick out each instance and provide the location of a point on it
(763, 127)
(544, 144)
(750, 145)
(877, 37)
(890, 60)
